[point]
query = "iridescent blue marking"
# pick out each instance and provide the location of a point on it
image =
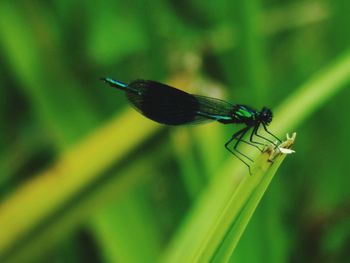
(116, 82)
(120, 85)
(215, 117)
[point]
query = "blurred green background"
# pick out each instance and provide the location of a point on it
(124, 185)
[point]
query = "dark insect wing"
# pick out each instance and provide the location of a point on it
(162, 103)
(212, 108)
(168, 105)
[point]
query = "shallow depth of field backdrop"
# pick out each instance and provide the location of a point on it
(91, 180)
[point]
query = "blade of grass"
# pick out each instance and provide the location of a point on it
(119, 228)
(312, 94)
(106, 191)
(294, 15)
(273, 21)
(230, 241)
(197, 234)
(207, 138)
(76, 169)
(52, 228)
(189, 170)
(221, 203)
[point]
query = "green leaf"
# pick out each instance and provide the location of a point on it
(207, 225)
(231, 198)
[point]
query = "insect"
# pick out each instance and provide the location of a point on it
(168, 105)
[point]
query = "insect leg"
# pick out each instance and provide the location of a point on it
(238, 136)
(242, 133)
(265, 128)
(239, 139)
(244, 130)
(239, 158)
(252, 144)
(262, 137)
(234, 136)
(254, 133)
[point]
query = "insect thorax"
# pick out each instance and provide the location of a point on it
(244, 114)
